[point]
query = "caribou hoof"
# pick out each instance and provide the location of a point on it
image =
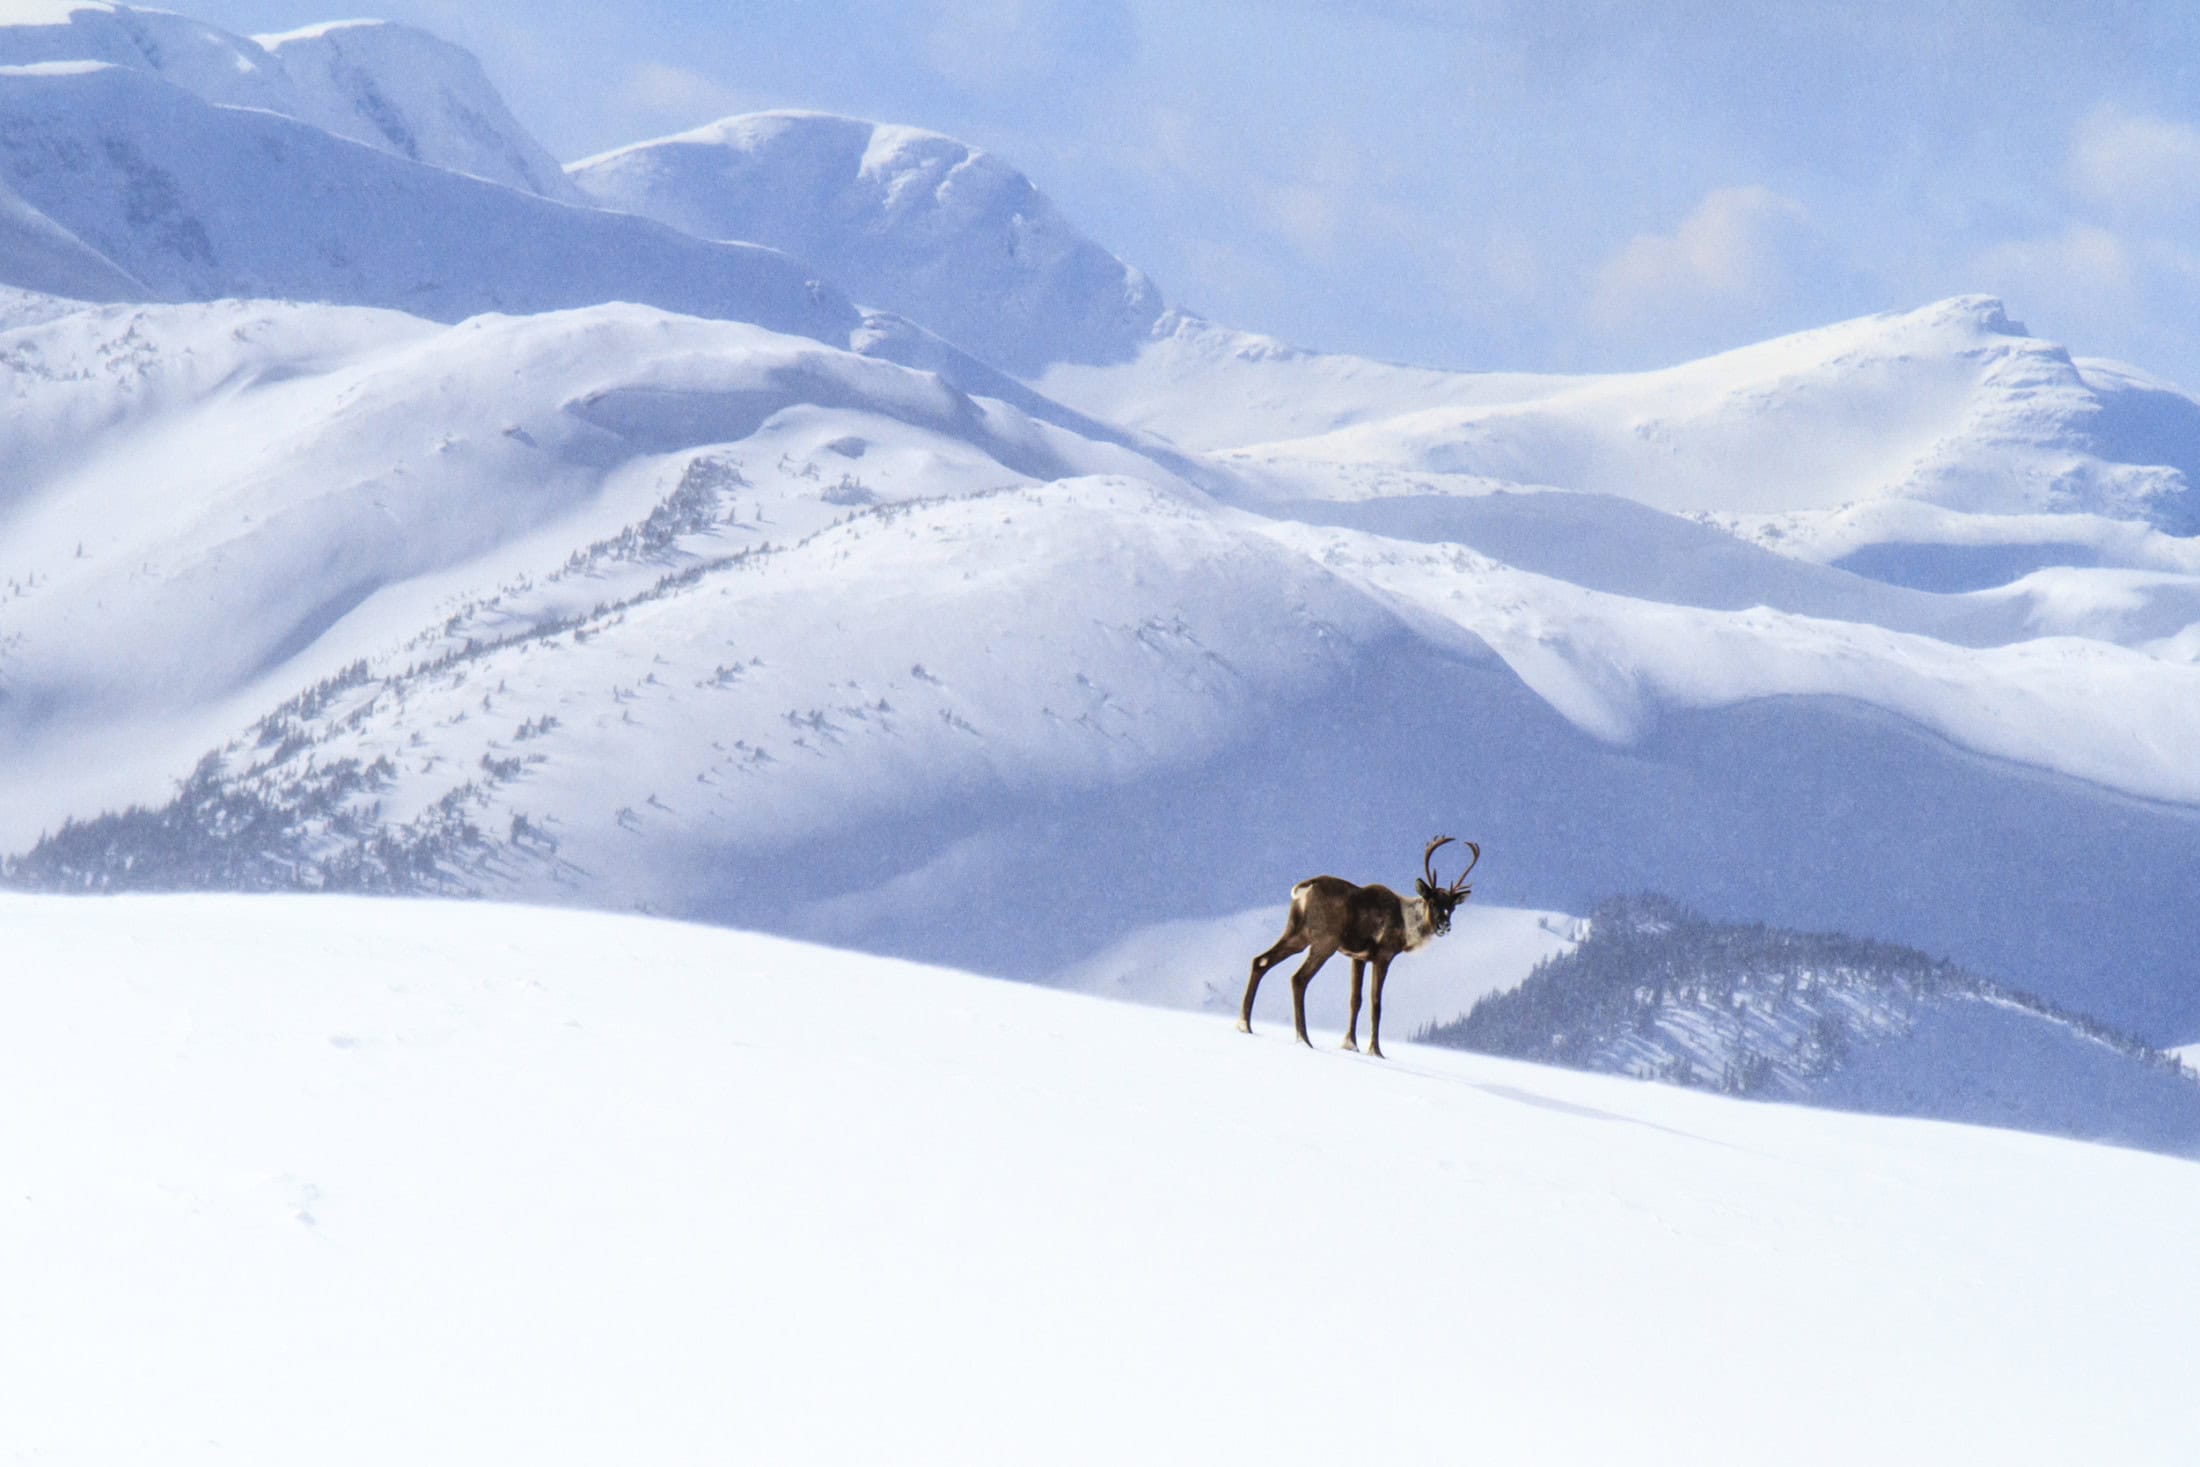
(1351, 1044)
(1374, 1053)
(1244, 1027)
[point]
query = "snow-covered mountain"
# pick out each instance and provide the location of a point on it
(686, 583)
(369, 1182)
(389, 86)
(200, 201)
(934, 229)
(1953, 406)
(1655, 991)
(400, 89)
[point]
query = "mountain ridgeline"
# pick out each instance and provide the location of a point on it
(1659, 992)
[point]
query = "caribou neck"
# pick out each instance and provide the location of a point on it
(1420, 924)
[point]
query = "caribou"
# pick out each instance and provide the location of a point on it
(1368, 924)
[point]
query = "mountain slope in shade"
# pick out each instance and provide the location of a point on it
(201, 201)
(908, 220)
(397, 88)
(43, 257)
(404, 1181)
(1657, 992)
(389, 86)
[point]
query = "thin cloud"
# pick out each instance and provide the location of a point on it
(2135, 166)
(1737, 257)
(992, 45)
(655, 95)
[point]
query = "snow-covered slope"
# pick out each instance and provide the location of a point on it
(43, 257)
(386, 85)
(908, 220)
(1655, 991)
(199, 201)
(1615, 662)
(171, 553)
(400, 89)
(1208, 386)
(205, 60)
(368, 1182)
(1953, 405)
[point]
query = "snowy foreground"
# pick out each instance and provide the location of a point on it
(314, 1180)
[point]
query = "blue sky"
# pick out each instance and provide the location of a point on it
(1487, 183)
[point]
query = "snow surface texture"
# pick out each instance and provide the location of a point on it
(354, 1182)
(716, 595)
(902, 218)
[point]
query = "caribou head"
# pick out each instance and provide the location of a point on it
(1368, 924)
(1442, 900)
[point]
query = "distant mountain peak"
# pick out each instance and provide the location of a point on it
(200, 201)
(388, 85)
(48, 12)
(392, 85)
(904, 218)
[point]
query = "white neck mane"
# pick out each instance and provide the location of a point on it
(1418, 930)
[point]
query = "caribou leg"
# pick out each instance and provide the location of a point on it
(1299, 980)
(1292, 941)
(1352, 1015)
(1375, 1018)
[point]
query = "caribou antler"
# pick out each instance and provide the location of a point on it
(1428, 857)
(1460, 886)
